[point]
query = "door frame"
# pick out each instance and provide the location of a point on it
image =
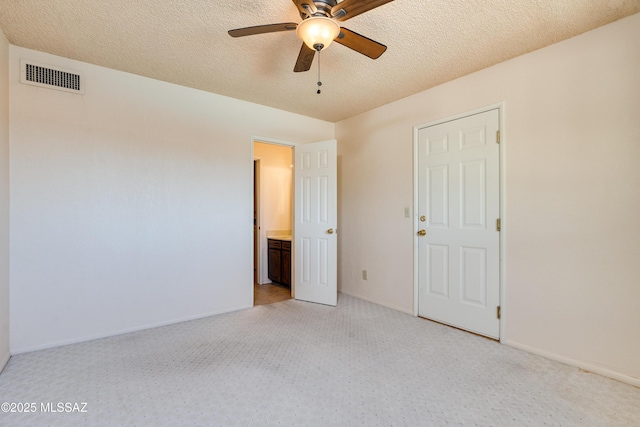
(282, 143)
(502, 176)
(257, 276)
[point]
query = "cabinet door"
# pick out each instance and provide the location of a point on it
(285, 274)
(274, 265)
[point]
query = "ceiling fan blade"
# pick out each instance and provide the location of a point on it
(262, 29)
(349, 8)
(305, 58)
(360, 43)
(306, 7)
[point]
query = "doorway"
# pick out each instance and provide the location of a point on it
(457, 172)
(273, 213)
(312, 211)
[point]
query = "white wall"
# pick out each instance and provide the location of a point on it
(572, 146)
(4, 200)
(276, 177)
(132, 204)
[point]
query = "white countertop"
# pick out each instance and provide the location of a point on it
(283, 238)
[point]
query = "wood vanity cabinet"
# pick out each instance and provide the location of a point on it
(275, 264)
(280, 261)
(285, 259)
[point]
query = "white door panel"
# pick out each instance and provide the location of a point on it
(315, 223)
(458, 202)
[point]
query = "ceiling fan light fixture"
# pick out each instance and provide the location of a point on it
(317, 32)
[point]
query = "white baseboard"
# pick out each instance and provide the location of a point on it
(377, 302)
(552, 356)
(4, 360)
(15, 351)
(576, 363)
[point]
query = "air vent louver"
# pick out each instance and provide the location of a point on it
(51, 77)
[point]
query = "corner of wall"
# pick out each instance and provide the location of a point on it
(4, 200)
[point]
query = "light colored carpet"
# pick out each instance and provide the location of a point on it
(300, 364)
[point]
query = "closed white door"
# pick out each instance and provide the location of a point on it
(315, 223)
(458, 209)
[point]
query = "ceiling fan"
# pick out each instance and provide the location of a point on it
(319, 27)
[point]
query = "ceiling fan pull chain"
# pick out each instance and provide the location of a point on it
(319, 82)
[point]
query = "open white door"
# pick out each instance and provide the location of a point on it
(315, 223)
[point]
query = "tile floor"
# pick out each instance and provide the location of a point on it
(270, 293)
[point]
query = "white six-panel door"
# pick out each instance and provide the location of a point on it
(315, 223)
(458, 206)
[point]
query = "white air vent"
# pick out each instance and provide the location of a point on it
(32, 73)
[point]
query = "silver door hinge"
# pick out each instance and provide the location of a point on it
(497, 137)
(498, 225)
(498, 312)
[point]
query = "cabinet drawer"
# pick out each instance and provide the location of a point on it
(274, 244)
(286, 246)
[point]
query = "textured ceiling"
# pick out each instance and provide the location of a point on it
(186, 42)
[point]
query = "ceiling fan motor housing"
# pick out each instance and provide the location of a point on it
(323, 8)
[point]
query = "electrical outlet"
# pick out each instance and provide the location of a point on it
(364, 274)
(407, 212)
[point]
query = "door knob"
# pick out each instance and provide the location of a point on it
(330, 231)
(422, 233)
